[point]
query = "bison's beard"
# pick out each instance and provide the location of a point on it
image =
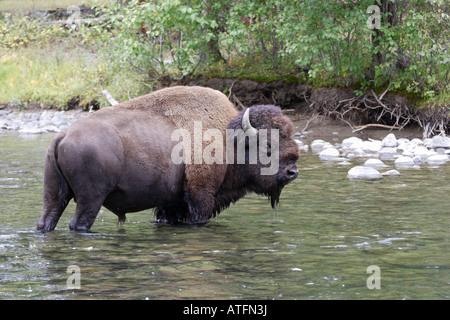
(274, 196)
(271, 189)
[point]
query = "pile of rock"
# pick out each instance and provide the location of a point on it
(403, 153)
(37, 122)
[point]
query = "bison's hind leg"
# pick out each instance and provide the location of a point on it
(85, 213)
(57, 192)
(53, 208)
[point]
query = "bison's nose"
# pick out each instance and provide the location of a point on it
(291, 173)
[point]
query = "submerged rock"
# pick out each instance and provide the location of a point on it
(374, 163)
(361, 172)
(392, 172)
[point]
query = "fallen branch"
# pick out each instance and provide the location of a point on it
(359, 128)
(75, 21)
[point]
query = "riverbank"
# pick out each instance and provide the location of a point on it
(38, 122)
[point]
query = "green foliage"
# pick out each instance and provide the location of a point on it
(19, 32)
(161, 38)
(319, 41)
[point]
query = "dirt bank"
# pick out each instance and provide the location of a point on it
(383, 110)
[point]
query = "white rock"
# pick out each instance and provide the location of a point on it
(417, 141)
(329, 154)
(403, 161)
(392, 172)
(349, 141)
(405, 146)
(423, 152)
(417, 159)
(437, 159)
(428, 143)
(50, 128)
(361, 172)
(388, 153)
(317, 145)
(408, 153)
(374, 163)
(371, 146)
(31, 130)
(440, 142)
(389, 141)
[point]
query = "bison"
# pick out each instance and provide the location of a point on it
(121, 157)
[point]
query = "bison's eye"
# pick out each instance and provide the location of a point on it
(291, 158)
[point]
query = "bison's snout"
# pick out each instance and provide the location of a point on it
(291, 173)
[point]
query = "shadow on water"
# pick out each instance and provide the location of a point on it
(317, 245)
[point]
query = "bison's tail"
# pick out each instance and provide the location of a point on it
(57, 192)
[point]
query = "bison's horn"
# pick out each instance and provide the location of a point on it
(246, 125)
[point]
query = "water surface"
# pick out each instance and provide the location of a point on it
(318, 245)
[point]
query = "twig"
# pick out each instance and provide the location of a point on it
(109, 97)
(315, 115)
(382, 95)
(231, 87)
(238, 102)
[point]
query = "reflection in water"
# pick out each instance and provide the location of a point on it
(318, 245)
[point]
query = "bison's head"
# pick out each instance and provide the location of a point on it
(270, 150)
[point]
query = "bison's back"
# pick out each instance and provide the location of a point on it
(183, 105)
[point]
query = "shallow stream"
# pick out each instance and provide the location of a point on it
(319, 244)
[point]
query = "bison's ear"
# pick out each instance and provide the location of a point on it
(247, 126)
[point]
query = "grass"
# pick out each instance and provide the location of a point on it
(42, 67)
(23, 5)
(51, 76)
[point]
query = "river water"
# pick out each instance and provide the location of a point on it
(326, 234)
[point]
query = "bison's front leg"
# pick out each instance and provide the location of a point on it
(200, 207)
(172, 215)
(201, 185)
